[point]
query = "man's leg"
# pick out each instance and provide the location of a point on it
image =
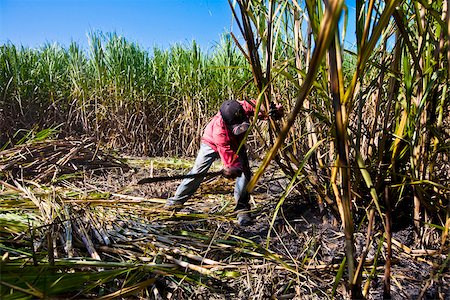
(240, 191)
(188, 186)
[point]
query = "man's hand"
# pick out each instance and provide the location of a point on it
(231, 172)
(276, 111)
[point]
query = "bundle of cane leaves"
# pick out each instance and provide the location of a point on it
(47, 161)
(138, 251)
(69, 252)
(77, 278)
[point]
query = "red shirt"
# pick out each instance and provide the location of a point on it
(221, 140)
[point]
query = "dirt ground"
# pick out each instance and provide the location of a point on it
(296, 257)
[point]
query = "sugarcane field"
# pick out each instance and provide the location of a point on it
(280, 164)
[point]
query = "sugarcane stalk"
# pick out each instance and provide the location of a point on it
(342, 162)
(176, 177)
(387, 269)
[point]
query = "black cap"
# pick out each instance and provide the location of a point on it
(234, 116)
(232, 112)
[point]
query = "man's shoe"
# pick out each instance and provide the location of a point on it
(173, 205)
(244, 219)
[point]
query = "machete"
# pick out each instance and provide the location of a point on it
(175, 177)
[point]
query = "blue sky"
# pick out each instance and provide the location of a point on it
(150, 23)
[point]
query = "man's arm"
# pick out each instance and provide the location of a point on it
(276, 111)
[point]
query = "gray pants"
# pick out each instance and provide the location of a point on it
(205, 158)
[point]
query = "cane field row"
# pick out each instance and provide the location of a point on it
(145, 102)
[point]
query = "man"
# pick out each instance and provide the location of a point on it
(221, 139)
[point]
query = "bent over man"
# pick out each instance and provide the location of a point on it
(221, 139)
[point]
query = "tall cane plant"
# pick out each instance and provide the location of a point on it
(384, 119)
